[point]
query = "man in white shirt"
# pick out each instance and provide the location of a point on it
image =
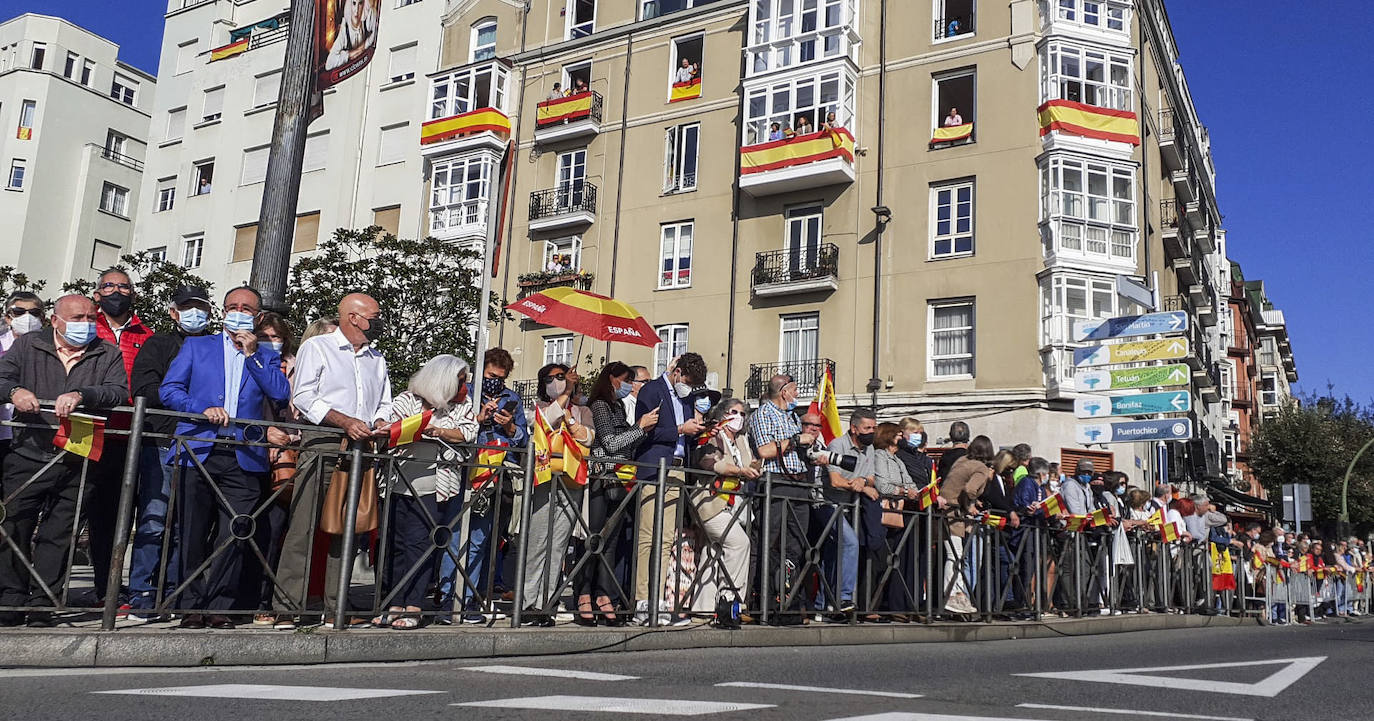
(341, 381)
(954, 119)
(686, 71)
(641, 376)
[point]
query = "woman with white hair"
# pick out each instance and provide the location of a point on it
(425, 476)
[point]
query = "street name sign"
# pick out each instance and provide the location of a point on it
(1131, 352)
(1125, 378)
(1139, 404)
(1168, 429)
(1135, 291)
(1128, 326)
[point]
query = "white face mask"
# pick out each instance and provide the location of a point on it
(554, 387)
(733, 423)
(26, 323)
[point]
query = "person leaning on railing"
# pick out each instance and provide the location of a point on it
(724, 569)
(22, 313)
(961, 489)
(895, 485)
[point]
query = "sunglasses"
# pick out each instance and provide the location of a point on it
(16, 311)
(810, 425)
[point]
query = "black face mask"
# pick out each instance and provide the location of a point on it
(116, 304)
(376, 328)
(865, 439)
(493, 386)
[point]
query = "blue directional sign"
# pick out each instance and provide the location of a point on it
(1141, 404)
(1168, 429)
(1131, 325)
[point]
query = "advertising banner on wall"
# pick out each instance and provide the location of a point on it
(345, 38)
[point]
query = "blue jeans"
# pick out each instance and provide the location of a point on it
(847, 558)
(154, 488)
(473, 551)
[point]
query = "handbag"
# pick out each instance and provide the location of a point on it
(281, 463)
(336, 499)
(892, 513)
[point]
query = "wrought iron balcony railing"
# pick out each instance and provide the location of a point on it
(116, 157)
(564, 200)
(792, 265)
(807, 374)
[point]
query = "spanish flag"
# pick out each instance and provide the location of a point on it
(573, 107)
(926, 498)
(728, 487)
(1169, 532)
(1099, 517)
(626, 473)
(1256, 562)
(480, 120)
(81, 434)
(1303, 564)
(1089, 121)
(1223, 574)
(825, 406)
(993, 520)
(408, 429)
(1077, 524)
(228, 51)
(952, 133)
(1359, 581)
(802, 149)
(24, 133)
(488, 460)
(685, 90)
(574, 459)
(543, 449)
(1157, 518)
(1054, 505)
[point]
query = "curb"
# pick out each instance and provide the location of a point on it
(79, 648)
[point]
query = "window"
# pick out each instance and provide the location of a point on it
(388, 219)
(27, 110)
(158, 254)
(1088, 76)
(186, 57)
(558, 349)
(17, 171)
(307, 233)
(166, 194)
(800, 341)
(577, 75)
(1228, 384)
(680, 163)
(123, 89)
(87, 73)
(563, 255)
(115, 145)
(572, 179)
(467, 89)
(202, 176)
(1093, 13)
(191, 250)
(1065, 298)
(1230, 446)
(689, 56)
(654, 8)
(212, 104)
(953, 18)
(1088, 208)
(951, 213)
(791, 32)
(803, 239)
(401, 64)
(951, 339)
(266, 88)
(675, 255)
(254, 168)
(484, 40)
(176, 123)
(40, 51)
(672, 342)
(1269, 389)
(787, 101)
(404, 3)
(69, 69)
(581, 18)
(104, 255)
(245, 242)
(458, 195)
(392, 143)
(955, 100)
(1269, 352)
(316, 152)
(114, 199)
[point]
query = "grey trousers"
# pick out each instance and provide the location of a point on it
(318, 458)
(555, 508)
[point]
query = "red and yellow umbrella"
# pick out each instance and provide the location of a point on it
(590, 314)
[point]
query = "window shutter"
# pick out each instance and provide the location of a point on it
(307, 232)
(244, 239)
(254, 165)
(176, 123)
(316, 152)
(388, 218)
(391, 144)
(186, 57)
(265, 89)
(214, 104)
(1069, 457)
(402, 63)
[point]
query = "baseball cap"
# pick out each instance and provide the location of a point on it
(190, 293)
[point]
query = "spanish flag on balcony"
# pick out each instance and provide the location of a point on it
(685, 90)
(228, 51)
(573, 107)
(408, 429)
(81, 434)
(485, 465)
(479, 120)
(825, 406)
(952, 133)
(837, 143)
(1089, 121)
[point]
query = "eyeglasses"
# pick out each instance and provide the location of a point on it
(810, 425)
(557, 376)
(16, 311)
(121, 287)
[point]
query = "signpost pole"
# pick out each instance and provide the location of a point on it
(277, 215)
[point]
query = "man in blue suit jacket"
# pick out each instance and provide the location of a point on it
(223, 376)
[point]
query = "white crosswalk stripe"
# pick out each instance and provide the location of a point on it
(610, 704)
(549, 673)
(268, 692)
(817, 689)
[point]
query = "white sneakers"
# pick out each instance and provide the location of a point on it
(959, 603)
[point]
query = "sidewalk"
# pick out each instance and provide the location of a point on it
(135, 646)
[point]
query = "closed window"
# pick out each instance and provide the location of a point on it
(103, 255)
(680, 163)
(484, 40)
(158, 254)
(123, 89)
(392, 143)
(1069, 297)
(87, 73)
(1269, 389)
(245, 242)
(266, 88)
(675, 255)
(176, 123)
(800, 342)
(458, 194)
(114, 199)
(316, 152)
(401, 64)
(186, 57)
(1088, 207)
(212, 104)
(1086, 75)
(803, 240)
(388, 219)
(951, 339)
(951, 218)
(18, 168)
(307, 232)
(254, 165)
(191, 250)
(672, 342)
(166, 194)
(558, 349)
(1102, 14)
(468, 89)
(787, 32)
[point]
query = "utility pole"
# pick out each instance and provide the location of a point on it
(277, 216)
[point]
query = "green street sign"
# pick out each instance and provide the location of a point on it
(1153, 376)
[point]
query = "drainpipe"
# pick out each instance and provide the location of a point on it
(620, 166)
(514, 174)
(881, 212)
(728, 387)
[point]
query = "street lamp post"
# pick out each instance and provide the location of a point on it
(1345, 489)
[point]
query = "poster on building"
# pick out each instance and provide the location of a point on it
(345, 38)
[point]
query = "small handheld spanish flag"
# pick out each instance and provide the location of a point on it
(926, 498)
(995, 521)
(484, 468)
(1099, 517)
(1169, 532)
(1157, 518)
(574, 462)
(1256, 562)
(1077, 524)
(1054, 505)
(408, 429)
(81, 434)
(542, 436)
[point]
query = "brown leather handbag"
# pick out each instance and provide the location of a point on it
(281, 464)
(892, 513)
(336, 498)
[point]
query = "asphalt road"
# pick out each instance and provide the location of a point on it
(1319, 672)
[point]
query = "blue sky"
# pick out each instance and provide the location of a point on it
(1285, 93)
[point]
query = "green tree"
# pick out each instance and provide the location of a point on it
(154, 280)
(1313, 442)
(428, 290)
(11, 280)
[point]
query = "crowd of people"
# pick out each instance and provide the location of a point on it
(259, 419)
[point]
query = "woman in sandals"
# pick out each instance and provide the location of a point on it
(425, 476)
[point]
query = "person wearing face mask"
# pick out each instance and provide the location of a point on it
(639, 376)
(723, 569)
(23, 313)
(840, 555)
(1037, 573)
(961, 489)
(1080, 499)
(68, 367)
(225, 377)
(666, 441)
(189, 311)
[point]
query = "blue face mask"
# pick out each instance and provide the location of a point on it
(914, 440)
(624, 389)
(275, 345)
(79, 333)
(237, 320)
(702, 404)
(792, 405)
(193, 320)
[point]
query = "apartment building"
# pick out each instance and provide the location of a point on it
(212, 128)
(73, 137)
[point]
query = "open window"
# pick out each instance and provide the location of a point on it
(563, 256)
(953, 18)
(577, 77)
(686, 71)
(581, 18)
(202, 176)
(954, 108)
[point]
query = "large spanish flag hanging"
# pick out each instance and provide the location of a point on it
(825, 406)
(408, 429)
(479, 120)
(81, 434)
(952, 133)
(685, 90)
(228, 51)
(837, 143)
(1089, 121)
(573, 107)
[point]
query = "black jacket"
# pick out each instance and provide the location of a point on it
(947, 460)
(149, 369)
(998, 497)
(32, 364)
(917, 464)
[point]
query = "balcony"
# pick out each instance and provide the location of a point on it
(796, 270)
(1206, 239)
(1185, 189)
(571, 118)
(563, 207)
(1175, 231)
(1192, 210)
(1183, 268)
(467, 110)
(804, 162)
(531, 283)
(464, 220)
(1173, 148)
(807, 373)
(116, 157)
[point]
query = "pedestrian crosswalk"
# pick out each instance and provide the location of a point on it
(611, 704)
(269, 692)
